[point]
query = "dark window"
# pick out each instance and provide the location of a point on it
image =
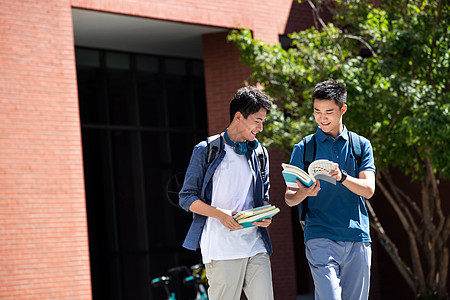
(120, 89)
(140, 115)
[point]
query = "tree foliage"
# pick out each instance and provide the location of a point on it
(394, 60)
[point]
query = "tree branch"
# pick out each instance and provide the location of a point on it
(315, 19)
(446, 230)
(441, 276)
(397, 116)
(401, 203)
(415, 255)
(391, 248)
(429, 234)
(433, 43)
(435, 194)
(405, 10)
(362, 41)
(316, 11)
(408, 199)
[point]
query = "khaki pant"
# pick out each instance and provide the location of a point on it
(227, 278)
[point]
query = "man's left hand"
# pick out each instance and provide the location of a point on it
(263, 222)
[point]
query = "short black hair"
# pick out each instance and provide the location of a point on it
(331, 90)
(249, 100)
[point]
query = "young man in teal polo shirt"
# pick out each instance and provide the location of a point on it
(336, 231)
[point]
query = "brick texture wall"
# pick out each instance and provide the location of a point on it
(281, 234)
(224, 74)
(43, 232)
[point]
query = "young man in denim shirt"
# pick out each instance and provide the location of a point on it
(235, 259)
(336, 228)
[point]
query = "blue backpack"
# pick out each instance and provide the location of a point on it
(309, 154)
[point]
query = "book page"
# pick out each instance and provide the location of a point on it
(291, 173)
(320, 169)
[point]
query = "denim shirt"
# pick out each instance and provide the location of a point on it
(198, 186)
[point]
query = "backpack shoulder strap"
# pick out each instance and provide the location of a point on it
(355, 144)
(309, 153)
(214, 146)
(262, 160)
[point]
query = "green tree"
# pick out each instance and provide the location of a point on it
(394, 60)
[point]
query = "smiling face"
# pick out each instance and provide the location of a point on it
(247, 128)
(328, 116)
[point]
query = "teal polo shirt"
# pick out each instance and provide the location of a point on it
(336, 213)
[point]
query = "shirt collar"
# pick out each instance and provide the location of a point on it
(321, 136)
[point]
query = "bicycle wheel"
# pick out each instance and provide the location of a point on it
(173, 187)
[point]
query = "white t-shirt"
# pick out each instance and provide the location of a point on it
(232, 190)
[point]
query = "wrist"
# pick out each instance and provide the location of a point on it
(343, 176)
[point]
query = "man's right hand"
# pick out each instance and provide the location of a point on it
(229, 222)
(223, 215)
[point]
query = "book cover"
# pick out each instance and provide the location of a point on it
(247, 217)
(247, 222)
(251, 212)
(290, 173)
(318, 169)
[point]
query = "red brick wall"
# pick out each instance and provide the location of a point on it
(224, 74)
(43, 230)
(281, 234)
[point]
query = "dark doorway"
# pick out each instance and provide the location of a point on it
(141, 115)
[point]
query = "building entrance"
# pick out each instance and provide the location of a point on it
(140, 115)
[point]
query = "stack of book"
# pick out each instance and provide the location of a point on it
(247, 217)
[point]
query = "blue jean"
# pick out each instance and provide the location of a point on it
(340, 270)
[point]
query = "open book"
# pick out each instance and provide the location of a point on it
(247, 217)
(318, 169)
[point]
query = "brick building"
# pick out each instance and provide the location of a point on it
(101, 104)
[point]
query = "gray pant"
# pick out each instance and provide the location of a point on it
(341, 270)
(227, 278)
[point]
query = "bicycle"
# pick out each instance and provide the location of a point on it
(198, 279)
(195, 277)
(164, 281)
